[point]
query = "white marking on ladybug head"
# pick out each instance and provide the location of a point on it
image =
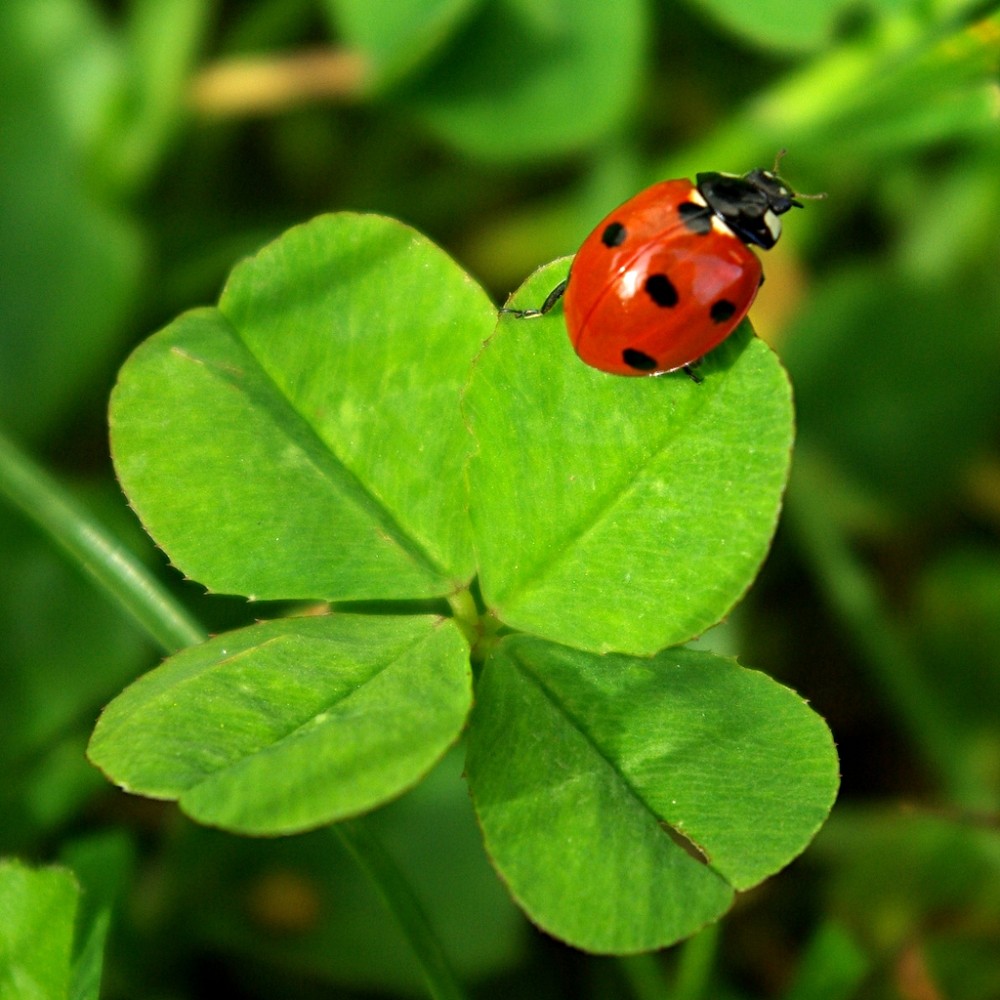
(721, 226)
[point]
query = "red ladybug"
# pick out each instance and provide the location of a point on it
(669, 275)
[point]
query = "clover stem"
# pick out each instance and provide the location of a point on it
(91, 547)
(466, 614)
(398, 895)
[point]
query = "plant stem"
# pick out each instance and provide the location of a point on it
(644, 976)
(463, 607)
(697, 962)
(399, 897)
(90, 546)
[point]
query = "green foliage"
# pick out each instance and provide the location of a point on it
(282, 726)
(37, 909)
(651, 501)
(775, 24)
(54, 921)
(104, 864)
(334, 470)
(833, 967)
(500, 548)
(607, 755)
(549, 48)
(854, 342)
(69, 259)
(304, 902)
(397, 36)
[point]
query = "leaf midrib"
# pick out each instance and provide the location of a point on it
(660, 822)
(296, 427)
(547, 561)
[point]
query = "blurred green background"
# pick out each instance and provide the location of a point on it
(146, 145)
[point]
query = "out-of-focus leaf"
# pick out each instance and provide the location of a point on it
(37, 912)
(102, 863)
(522, 81)
(896, 379)
(69, 260)
(777, 24)
(397, 36)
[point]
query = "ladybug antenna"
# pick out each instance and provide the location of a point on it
(798, 194)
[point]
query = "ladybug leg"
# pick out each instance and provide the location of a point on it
(551, 299)
(689, 370)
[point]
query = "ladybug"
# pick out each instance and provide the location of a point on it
(670, 274)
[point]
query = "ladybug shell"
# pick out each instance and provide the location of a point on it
(658, 284)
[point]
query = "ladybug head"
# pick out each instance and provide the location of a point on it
(750, 204)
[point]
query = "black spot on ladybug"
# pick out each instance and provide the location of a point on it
(661, 290)
(638, 360)
(721, 311)
(614, 235)
(697, 218)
